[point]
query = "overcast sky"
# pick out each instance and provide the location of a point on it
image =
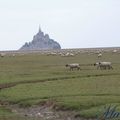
(73, 23)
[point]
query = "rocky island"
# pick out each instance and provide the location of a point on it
(41, 41)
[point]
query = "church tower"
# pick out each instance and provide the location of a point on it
(39, 29)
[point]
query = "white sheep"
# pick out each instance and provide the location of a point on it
(67, 55)
(103, 65)
(115, 51)
(2, 54)
(99, 55)
(73, 66)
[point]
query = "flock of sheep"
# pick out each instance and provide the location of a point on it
(72, 53)
(100, 65)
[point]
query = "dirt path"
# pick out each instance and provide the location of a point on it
(46, 111)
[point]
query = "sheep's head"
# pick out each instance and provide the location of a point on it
(97, 63)
(66, 65)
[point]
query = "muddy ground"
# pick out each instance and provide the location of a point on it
(46, 111)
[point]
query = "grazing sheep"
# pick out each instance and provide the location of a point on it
(103, 65)
(106, 65)
(67, 55)
(114, 51)
(2, 54)
(99, 55)
(52, 54)
(96, 64)
(71, 54)
(73, 66)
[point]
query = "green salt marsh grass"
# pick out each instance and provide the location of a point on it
(86, 91)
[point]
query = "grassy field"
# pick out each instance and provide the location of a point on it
(40, 78)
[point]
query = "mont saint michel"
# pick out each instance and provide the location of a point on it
(41, 41)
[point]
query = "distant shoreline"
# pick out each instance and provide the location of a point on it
(45, 50)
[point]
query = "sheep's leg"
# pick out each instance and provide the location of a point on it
(71, 68)
(104, 67)
(98, 67)
(111, 67)
(79, 68)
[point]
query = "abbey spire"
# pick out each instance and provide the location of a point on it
(41, 41)
(39, 29)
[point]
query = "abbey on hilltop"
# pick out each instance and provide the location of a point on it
(41, 41)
